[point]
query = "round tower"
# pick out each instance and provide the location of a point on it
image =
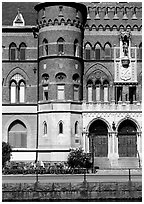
(60, 72)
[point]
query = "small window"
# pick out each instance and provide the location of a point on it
(45, 128)
(60, 94)
(97, 52)
(60, 43)
(76, 127)
(60, 128)
(12, 52)
(88, 52)
(22, 51)
(107, 52)
(45, 47)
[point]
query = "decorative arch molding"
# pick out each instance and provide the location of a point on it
(16, 70)
(95, 68)
(10, 121)
(102, 119)
(130, 119)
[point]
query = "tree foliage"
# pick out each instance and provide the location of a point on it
(6, 153)
(77, 158)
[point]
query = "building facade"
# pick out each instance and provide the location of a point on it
(72, 76)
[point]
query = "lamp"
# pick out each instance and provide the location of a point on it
(113, 126)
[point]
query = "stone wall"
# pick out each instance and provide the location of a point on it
(71, 191)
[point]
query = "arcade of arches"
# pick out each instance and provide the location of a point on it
(125, 142)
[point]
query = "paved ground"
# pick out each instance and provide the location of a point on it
(100, 176)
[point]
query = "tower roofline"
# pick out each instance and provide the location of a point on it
(81, 7)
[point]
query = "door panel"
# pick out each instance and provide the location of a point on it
(127, 145)
(99, 143)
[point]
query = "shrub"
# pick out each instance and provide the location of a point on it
(77, 158)
(6, 153)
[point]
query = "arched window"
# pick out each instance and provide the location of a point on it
(106, 90)
(45, 128)
(17, 135)
(22, 51)
(98, 90)
(87, 52)
(76, 127)
(107, 50)
(97, 52)
(90, 91)
(60, 127)
(12, 51)
(13, 92)
(76, 48)
(21, 92)
(45, 47)
(60, 43)
(17, 89)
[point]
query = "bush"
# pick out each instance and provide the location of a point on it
(77, 158)
(6, 153)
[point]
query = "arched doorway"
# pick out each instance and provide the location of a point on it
(17, 134)
(127, 139)
(98, 138)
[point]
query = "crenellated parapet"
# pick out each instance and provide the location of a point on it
(114, 16)
(61, 13)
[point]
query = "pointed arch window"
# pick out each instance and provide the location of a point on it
(17, 89)
(107, 50)
(60, 127)
(87, 52)
(97, 52)
(17, 135)
(90, 91)
(76, 48)
(22, 51)
(12, 51)
(98, 90)
(13, 92)
(60, 44)
(21, 92)
(45, 47)
(106, 91)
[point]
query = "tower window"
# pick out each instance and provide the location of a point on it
(76, 92)
(60, 43)
(76, 48)
(45, 47)
(45, 93)
(60, 93)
